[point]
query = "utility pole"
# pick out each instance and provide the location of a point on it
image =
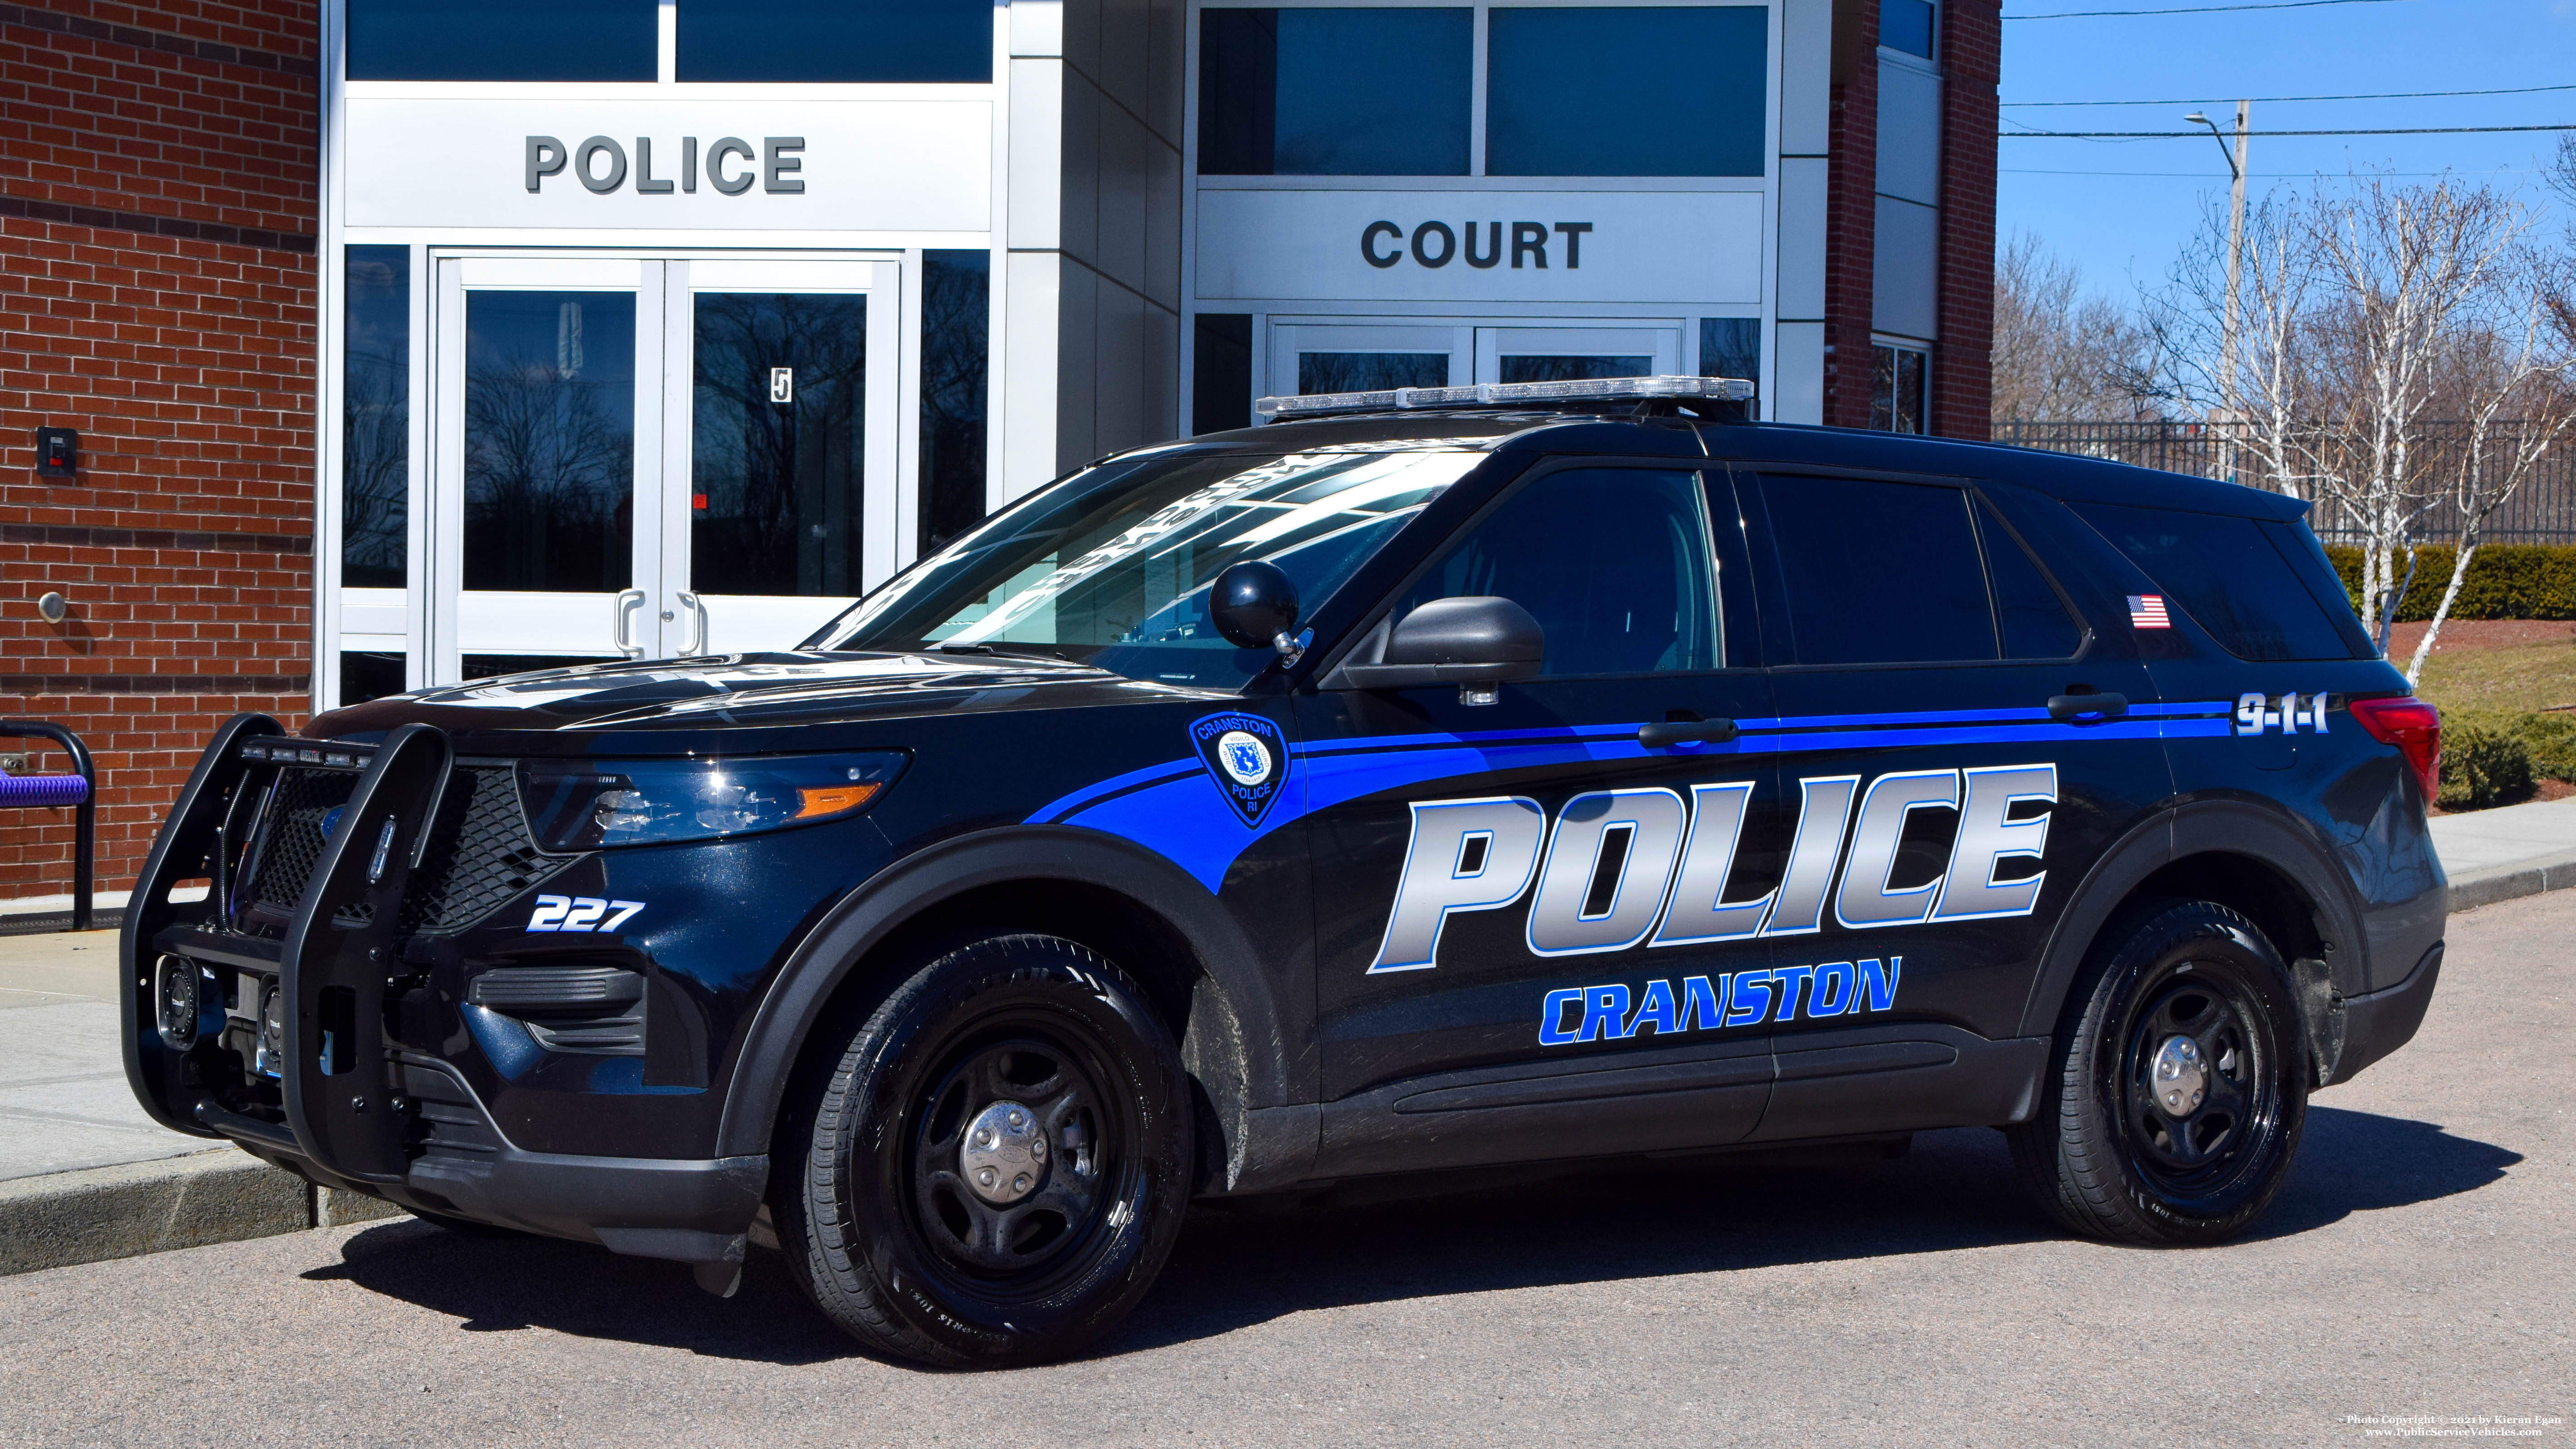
(2235, 240)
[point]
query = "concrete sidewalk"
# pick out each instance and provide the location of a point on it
(85, 1175)
(2519, 850)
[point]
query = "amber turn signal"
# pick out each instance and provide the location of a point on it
(817, 802)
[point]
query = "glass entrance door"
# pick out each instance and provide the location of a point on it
(1358, 355)
(1307, 357)
(541, 450)
(1563, 354)
(648, 458)
(789, 509)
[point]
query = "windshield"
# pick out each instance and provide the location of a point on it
(1112, 566)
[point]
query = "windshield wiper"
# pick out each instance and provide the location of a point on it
(1006, 651)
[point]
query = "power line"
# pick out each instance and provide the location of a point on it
(2276, 100)
(2375, 131)
(2196, 9)
(2258, 176)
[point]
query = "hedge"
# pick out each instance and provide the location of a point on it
(2506, 581)
(2493, 759)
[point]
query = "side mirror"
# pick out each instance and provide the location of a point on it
(1474, 640)
(1254, 605)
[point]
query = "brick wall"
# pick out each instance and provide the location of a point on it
(1962, 366)
(1851, 212)
(157, 208)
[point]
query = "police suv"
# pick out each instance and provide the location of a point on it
(1426, 779)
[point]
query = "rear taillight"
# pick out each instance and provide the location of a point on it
(2414, 727)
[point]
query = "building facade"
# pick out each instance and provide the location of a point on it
(410, 341)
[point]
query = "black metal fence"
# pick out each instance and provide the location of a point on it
(2542, 510)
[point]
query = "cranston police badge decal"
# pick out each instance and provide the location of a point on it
(1246, 757)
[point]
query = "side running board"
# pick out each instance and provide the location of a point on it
(338, 952)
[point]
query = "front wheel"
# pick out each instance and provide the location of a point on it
(995, 1169)
(2180, 1089)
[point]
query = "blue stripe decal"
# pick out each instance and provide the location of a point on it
(1064, 804)
(1176, 810)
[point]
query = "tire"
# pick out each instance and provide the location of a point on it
(876, 1205)
(2120, 1148)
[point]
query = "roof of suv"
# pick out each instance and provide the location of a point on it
(2061, 475)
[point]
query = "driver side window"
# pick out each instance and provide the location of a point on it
(1612, 562)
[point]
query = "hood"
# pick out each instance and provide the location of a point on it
(750, 690)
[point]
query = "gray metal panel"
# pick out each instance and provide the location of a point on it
(1905, 285)
(1909, 133)
(1802, 239)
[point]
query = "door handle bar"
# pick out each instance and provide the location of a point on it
(628, 600)
(697, 608)
(1663, 734)
(2072, 708)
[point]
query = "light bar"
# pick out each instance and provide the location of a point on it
(1489, 394)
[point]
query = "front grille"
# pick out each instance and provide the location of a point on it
(480, 854)
(293, 836)
(480, 851)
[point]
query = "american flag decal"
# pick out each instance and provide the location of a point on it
(2147, 611)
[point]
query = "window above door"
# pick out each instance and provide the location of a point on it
(709, 40)
(1651, 90)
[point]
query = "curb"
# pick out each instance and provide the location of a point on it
(2550, 873)
(221, 1196)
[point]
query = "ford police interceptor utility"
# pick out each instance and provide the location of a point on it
(1424, 780)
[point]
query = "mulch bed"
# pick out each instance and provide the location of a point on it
(2481, 634)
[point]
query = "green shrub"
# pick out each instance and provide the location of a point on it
(2485, 762)
(2551, 738)
(2506, 581)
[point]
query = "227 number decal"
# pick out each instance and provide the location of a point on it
(581, 913)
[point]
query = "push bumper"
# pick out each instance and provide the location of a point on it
(2384, 1020)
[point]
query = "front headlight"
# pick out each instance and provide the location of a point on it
(592, 804)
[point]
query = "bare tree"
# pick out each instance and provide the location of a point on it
(2272, 391)
(2060, 353)
(2509, 369)
(2409, 266)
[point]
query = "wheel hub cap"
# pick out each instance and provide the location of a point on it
(1004, 1155)
(2181, 1077)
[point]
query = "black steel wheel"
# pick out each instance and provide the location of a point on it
(996, 1167)
(2181, 1086)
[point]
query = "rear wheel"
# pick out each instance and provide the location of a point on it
(2180, 1088)
(996, 1166)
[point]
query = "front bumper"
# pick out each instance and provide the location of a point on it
(690, 1210)
(2381, 1021)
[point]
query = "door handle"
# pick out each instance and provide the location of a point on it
(1663, 734)
(2073, 707)
(628, 600)
(697, 608)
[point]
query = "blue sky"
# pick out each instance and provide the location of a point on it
(2121, 209)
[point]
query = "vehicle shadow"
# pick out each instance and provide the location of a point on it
(1427, 1236)
(1955, 1190)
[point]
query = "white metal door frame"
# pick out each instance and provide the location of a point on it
(658, 616)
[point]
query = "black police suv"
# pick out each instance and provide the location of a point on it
(1420, 781)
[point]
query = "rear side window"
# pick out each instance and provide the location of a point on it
(1879, 573)
(2228, 576)
(2307, 558)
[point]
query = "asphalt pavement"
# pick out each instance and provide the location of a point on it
(2419, 1265)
